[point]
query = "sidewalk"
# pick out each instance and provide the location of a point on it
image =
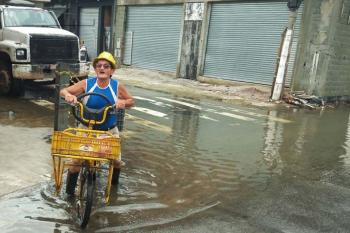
(227, 91)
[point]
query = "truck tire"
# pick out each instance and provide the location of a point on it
(9, 85)
(17, 87)
(5, 77)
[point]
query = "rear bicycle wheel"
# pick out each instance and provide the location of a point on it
(85, 200)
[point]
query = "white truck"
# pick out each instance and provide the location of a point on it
(32, 44)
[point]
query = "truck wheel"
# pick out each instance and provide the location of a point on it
(5, 83)
(17, 87)
(9, 85)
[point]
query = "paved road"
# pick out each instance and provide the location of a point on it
(193, 165)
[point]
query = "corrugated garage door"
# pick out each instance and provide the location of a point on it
(244, 39)
(152, 36)
(88, 30)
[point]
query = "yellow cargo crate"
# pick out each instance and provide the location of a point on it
(85, 143)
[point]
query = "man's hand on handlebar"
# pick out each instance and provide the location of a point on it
(71, 99)
(121, 104)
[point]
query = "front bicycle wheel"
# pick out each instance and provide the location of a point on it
(84, 203)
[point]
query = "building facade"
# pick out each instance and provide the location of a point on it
(323, 63)
(91, 20)
(235, 40)
(231, 40)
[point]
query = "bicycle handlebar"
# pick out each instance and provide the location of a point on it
(92, 114)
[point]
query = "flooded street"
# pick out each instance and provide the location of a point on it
(192, 165)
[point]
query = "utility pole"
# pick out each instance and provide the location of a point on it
(293, 6)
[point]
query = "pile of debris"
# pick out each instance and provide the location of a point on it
(303, 100)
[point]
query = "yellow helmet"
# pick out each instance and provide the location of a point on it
(105, 56)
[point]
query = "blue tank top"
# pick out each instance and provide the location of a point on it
(97, 102)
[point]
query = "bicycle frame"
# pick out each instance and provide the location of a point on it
(85, 145)
(93, 146)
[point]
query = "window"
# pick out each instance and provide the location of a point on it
(28, 18)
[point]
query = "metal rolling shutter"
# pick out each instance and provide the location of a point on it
(155, 32)
(88, 30)
(244, 39)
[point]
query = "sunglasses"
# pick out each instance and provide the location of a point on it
(105, 66)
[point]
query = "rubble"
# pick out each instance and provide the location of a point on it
(303, 100)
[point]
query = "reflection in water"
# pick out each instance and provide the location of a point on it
(280, 170)
(185, 128)
(314, 144)
(346, 155)
(309, 144)
(273, 141)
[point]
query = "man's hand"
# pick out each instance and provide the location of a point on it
(71, 99)
(121, 104)
(70, 93)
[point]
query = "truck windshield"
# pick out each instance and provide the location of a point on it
(24, 17)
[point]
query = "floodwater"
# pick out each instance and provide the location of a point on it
(191, 166)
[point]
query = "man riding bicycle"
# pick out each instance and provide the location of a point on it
(104, 66)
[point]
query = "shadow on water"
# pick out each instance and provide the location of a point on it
(211, 167)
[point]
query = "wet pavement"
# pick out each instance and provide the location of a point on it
(223, 90)
(192, 165)
(24, 131)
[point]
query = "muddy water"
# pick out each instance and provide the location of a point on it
(195, 166)
(24, 131)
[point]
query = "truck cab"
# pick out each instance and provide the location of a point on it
(32, 44)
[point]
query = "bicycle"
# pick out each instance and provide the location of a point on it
(92, 147)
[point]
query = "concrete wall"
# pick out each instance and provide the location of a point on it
(323, 56)
(337, 81)
(189, 49)
(191, 41)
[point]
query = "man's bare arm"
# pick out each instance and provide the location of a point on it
(70, 93)
(125, 100)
